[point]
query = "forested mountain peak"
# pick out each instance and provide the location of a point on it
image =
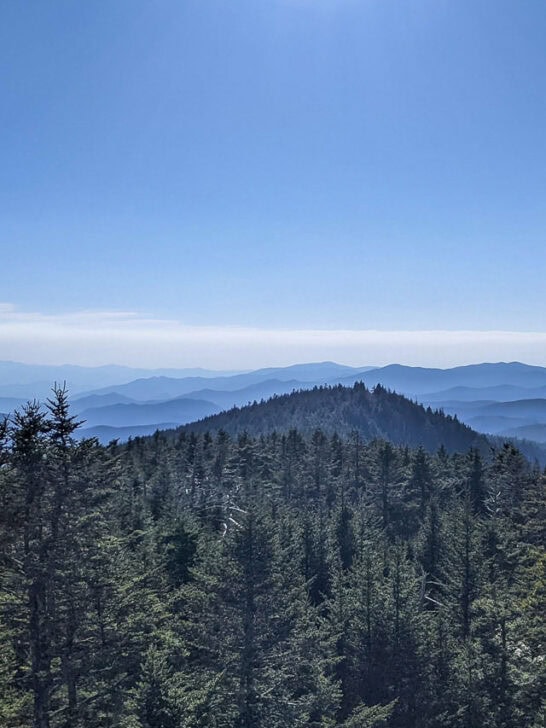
(373, 414)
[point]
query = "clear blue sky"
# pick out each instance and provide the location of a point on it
(275, 164)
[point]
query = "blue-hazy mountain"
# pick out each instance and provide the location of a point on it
(499, 393)
(527, 432)
(495, 424)
(105, 433)
(177, 411)
(86, 401)
(311, 372)
(502, 418)
(247, 395)
(8, 404)
(161, 388)
(499, 398)
(535, 408)
(35, 380)
(499, 382)
(420, 381)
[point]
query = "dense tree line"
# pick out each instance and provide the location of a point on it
(286, 579)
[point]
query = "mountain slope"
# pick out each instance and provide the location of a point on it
(247, 395)
(177, 411)
(345, 410)
(528, 432)
(498, 393)
(83, 402)
(531, 408)
(106, 433)
(495, 424)
(418, 380)
(9, 404)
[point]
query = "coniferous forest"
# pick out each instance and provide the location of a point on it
(289, 578)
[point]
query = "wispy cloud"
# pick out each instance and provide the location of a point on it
(127, 337)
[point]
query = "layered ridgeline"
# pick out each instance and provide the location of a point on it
(502, 399)
(372, 414)
(297, 578)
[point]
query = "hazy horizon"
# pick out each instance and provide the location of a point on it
(299, 362)
(127, 339)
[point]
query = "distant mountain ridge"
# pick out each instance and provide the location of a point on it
(128, 415)
(497, 393)
(536, 433)
(419, 380)
(35, 380)
(491, 397)
(145, 385)
(465, 383)
(168, 387)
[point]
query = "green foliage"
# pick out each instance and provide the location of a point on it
(265, 579)
(373, 717)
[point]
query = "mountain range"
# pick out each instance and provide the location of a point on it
(25, 381)
(504, 399)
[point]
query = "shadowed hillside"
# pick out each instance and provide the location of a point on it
(373, 414)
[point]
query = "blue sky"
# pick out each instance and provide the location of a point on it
(276, 166)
